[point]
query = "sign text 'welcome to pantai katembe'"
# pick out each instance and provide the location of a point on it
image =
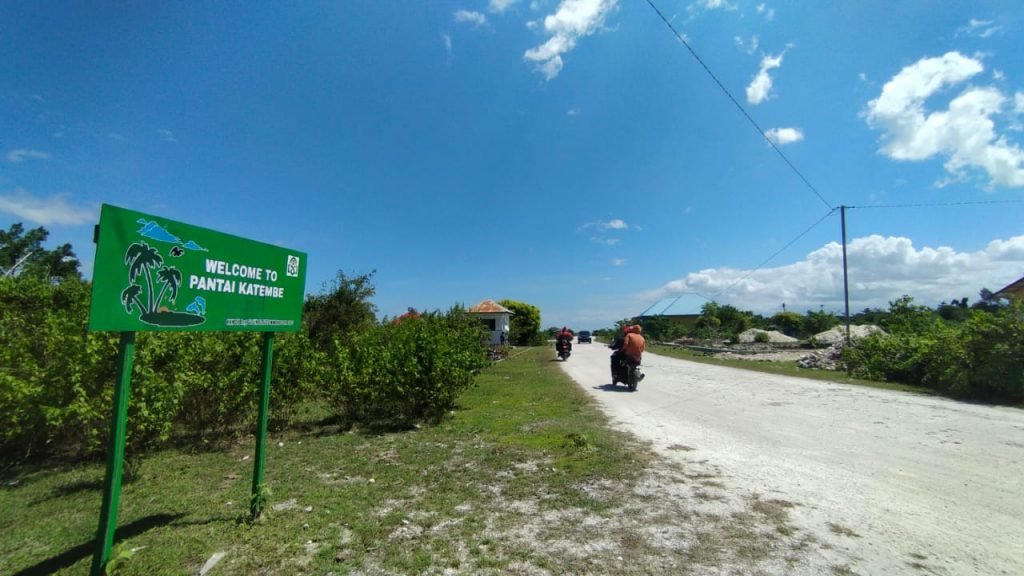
(152, 273)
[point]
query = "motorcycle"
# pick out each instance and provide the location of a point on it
(628, 373)
(564, 348)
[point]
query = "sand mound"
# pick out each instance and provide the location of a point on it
(774, 336)
(838, 333)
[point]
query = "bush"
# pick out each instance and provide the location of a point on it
(984, 359)
(888, 358)
(762, 338)
(980, 359)
(395, 375)
(56, 378)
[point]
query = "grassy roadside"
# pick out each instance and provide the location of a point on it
(781, 368)
(526, 477)
(524, 442)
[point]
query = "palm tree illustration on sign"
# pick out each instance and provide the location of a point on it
(144, 260)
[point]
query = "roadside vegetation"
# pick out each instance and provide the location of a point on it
(401, 502)
(970, 352)
(523, 475)
(780, 368)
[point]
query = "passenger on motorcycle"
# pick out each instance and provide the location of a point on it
(629, 348)
(633, 345)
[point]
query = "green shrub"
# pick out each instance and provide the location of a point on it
(395, 375)
(55, 377)
(983, 359)
(762, 338)
(889, 358)
(980, 359)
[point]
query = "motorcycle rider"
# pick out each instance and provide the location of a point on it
(564, 338)
(616, 345)
(630, 349)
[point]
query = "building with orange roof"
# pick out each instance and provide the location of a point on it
(496, 317)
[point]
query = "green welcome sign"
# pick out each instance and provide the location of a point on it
(152, 273)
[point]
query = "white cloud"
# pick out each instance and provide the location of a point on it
(166, 135)
(742, 44)
(477, 19)
(783, 136)
(53, 210)
(881, 269)
(978, 28)
(447, 39)
(572, 20)
(761, 86)
(768, 13)
(500, 6)
(998, 75)
(601, 227)
(573, 111)
(707, 5)
(619, 262)
(964, 133)
(21, 154)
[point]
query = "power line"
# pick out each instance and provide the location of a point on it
(769, 259)
(939, 204)
(740, 106)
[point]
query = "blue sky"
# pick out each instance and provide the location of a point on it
(568, 153)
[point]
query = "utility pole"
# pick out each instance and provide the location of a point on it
(846, 284)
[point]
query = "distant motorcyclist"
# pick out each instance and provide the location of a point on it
(564, 339)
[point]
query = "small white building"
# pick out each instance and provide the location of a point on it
(496, 317)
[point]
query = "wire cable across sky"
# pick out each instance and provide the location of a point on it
(776, 253)
(740, 107)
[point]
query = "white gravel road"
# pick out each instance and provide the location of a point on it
(889, 482)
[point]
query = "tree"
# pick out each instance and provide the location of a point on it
(525, 327)
(988, 301)
(818, 322)
(905, 317)
(171, 278)
(22, 252)
(789, 323)
(716, 320)
(340, 310)
(660, 328)
(955, 311)
(143, 259)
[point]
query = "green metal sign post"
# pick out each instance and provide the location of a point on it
(258, 488)
(115, 454)
(155, 274)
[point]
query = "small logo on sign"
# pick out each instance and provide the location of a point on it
(293, 267)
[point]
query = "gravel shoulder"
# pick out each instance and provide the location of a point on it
(886, 482)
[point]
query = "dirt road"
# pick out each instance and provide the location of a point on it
(888, 482)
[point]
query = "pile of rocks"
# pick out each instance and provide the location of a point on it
(825, 359)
